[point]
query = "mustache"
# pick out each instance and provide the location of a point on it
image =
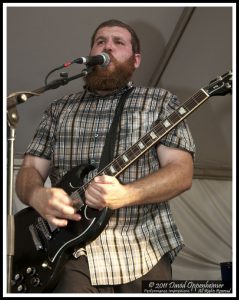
(100, 70)
(112, 58)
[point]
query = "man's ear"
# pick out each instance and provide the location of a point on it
(137, 60)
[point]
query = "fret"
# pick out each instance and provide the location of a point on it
(200, 96)
(182, 110)
(116, 165)
(102, 173)
(175, 116)
(195, 100)
(121, 161)
(191, 105)
(160, 129)
(141, 145)
(106, 171)
(166, 123)
(135, 150)
(153, 135)
(147, 139)
(129, 155)
(112, 169)
(125, 158)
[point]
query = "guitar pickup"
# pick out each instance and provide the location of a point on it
(42, 226)
(35, 237)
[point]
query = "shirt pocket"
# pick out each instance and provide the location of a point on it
(134, 125)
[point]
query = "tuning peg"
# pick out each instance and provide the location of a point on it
(228, 85)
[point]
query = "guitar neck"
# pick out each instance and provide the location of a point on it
(123, 161)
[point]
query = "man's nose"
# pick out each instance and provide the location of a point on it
(108, 46)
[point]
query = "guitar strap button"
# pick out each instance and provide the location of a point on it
(77, 253)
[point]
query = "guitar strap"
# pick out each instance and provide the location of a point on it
(108, 152)
(109, 146)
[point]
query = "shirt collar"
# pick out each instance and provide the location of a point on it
(118, 91)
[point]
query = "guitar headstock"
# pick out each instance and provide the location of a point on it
(220, 86)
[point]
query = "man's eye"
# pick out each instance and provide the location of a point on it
(99, 42)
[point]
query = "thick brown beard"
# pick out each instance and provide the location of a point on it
(103, 79)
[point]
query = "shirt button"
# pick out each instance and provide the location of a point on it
(96, 135)
(92, 161)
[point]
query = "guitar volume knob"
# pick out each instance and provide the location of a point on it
(18, 277)
(35, 281)
(30, 271)
(21, 288)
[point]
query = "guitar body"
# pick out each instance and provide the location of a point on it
(41, 249)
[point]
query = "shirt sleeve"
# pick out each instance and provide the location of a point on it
(180, 136)
(43, 140)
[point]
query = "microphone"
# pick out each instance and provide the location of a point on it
(102, 59)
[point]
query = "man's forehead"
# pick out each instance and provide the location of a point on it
(115, 31)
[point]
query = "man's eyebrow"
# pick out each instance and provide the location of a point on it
(100, 37)
(116, 37)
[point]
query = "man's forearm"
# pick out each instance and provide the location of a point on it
(28, 180)
(161, 186)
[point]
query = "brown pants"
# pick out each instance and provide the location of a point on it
(74, 280)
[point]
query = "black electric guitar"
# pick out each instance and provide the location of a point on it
(41, 249)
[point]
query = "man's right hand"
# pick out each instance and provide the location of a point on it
(54, 205)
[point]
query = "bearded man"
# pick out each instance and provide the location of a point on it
(140, 240)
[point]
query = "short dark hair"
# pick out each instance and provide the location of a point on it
(111, 23)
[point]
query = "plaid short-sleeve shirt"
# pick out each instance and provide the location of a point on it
(72, 132)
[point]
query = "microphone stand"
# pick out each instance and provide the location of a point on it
(12, 117)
